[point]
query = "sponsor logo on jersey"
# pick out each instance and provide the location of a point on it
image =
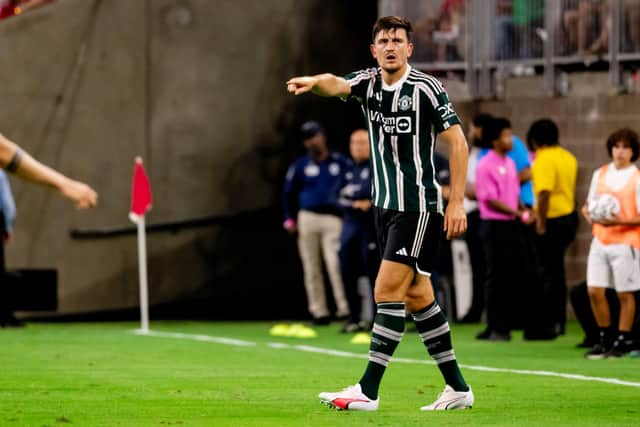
(403, 125)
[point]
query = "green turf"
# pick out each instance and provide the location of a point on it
(103, 375)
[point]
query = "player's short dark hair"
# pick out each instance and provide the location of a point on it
(387, 23)
(628, 137)
(480, 119)
(492, 130)
(543, 132)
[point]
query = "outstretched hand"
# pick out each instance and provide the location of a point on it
(455, 220)
(300, 85)
(80, 194)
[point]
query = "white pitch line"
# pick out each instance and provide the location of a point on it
(196, 337)
(348, 354)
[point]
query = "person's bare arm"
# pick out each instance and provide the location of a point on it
(524, 175)
(19, 162)
(543, 210)
(321, 84)
(455, 217)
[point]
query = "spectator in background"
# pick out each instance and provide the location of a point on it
(519, 154)
(15, 160)
(7, 217)
(311, 209)
(554, 179)
(497, 192)
(447, 33)
(472, 235)
(358, 249)
(615, 248)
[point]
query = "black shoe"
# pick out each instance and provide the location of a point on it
(599, 351)
(11, 321)
(559, 329)
(321, 321)
(620, 348)
(499, 336)
(350, 328)
(484, 335)
(544, 334)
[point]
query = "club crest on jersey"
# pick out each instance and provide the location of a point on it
(405, 103)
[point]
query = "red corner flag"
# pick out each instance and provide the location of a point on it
(140, 192)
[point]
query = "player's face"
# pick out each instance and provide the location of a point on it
(505, 142)
(391, 48)
(621, 154)
(359, 146)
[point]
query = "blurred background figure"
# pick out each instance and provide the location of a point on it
(472, 235)
(555, 171)
(613, 208)
(311, 209)
(359, 255)
(498, 194)
(7, 218)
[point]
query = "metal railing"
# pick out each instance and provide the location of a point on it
(482, 40)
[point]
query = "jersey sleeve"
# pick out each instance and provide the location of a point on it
(359, 82)
(440, 111)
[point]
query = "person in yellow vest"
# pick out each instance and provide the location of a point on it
(613, 208)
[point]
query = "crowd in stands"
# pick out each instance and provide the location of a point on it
(522, 216)
(583, 27)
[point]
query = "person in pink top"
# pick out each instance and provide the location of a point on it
(497, 192)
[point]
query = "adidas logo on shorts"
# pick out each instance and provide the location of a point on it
(402, 252)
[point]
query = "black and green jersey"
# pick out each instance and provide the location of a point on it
(403, 121)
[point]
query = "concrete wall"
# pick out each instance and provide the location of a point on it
(197, 88)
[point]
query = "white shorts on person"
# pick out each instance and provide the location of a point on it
(615, 266)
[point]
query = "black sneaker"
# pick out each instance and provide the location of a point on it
(598, 351)
(620, 348)
(321, 321)
(350, 328)
(483, 335)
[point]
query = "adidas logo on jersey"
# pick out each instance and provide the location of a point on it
(402, 252)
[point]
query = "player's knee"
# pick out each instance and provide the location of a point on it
(415, 303)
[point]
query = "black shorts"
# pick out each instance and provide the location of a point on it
(411, 238)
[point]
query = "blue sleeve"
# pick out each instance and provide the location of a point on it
(291, 191)
(8, 204)
(519, 154)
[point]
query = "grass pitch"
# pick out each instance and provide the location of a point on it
(104, 375)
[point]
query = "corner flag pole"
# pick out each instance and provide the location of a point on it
(140, 205)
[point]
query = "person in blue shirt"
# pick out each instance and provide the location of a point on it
(358, 249)
(311, 209)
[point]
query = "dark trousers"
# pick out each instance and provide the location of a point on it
(502, 247)
(358, 257)
(478, 269)
(552, 247)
